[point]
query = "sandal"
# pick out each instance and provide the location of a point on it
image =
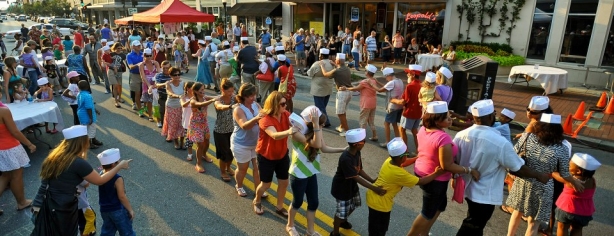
(506, 209)
(208, 160)
(292, 231)
(258, 208)
(117, 105)
(48, 131)
(231, 172)
(265, 195)
(282, 212)
(225, 178)
(199, 170)
(151, 120)
(240, 191)
(543, 231)
(27, 206)
(189, 158)
(94, 146)
(374, 139)
(54, 131)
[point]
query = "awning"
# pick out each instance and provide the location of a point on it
(256, 9)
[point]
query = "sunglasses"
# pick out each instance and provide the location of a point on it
(148, 55)
(175, 74)
(283, 104)
(533, 112)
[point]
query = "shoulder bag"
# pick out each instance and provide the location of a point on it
(52, 217)
(283, 87)
(268, 76)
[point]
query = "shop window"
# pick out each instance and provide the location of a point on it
(578, 31)
(540, 30)
(422, 21)
(608, 53)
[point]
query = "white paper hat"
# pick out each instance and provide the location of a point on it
(415, 67)
(236, 48)
(147, 51)
(539, 103)
(307, 111)
(269, 48)
(324, 51)
(430, 77)
(371, 68)
(200, 41)
(110, 43)
(42, 81)
(355, 135)
(341, 56)
(388, 71)
(103, 40)
(298, 122)
(280, 48)
(436, 107)
(482, 108)
(47, 58)
(446, 72)
(74, 131)
(207, 38)
(109, 156)
(106, 48)
(396, 147)
(136, 43)
(585, 161)
(551, 118)
(281, 57)
(226, 43)
(161, 36)
(244, 39)
(508, 113)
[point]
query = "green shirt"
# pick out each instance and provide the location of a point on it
(234, 65)
(300, 166)
(57, 54)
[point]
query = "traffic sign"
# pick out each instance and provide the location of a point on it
(132, 11)
(268, 21)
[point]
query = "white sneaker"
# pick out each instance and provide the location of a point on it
(342, 134)
(159, 124)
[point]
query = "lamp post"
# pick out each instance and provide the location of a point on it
(224, 2)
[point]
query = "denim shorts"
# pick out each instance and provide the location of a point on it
(434, 198)
(116, 221)
(573, 219)
(410, 124)
(393, 116)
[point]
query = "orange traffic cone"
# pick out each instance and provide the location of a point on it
(568, 125)
(610, 109)
(580, 112)
(575, 133)
(603, 100)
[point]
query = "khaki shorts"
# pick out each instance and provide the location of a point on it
(248, 78)
(367, 116)
(135, 82)
(114, 78)
(342, 102)
(54, 81)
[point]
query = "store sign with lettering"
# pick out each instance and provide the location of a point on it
(421, 16)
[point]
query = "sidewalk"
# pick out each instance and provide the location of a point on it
(598, 133)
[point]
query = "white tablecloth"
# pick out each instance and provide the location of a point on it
(551, 79)
(428, 61)
(26, 114)
(60, 63)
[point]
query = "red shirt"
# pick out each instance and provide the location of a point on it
(107, 58)
(268, 147)
(291, 81)
(412, 109)
(78, 39)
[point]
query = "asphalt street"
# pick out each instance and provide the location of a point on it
(171, 198)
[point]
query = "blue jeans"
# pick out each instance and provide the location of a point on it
(305, 187)
(115, 221)
(33, 76)
(346, 49)
(356, 58)
(321, 103)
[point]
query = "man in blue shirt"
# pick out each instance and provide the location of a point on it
(265, 41)
(236, 31)
(299, 43)
(371, 46)
(105, 32)
(134, 58)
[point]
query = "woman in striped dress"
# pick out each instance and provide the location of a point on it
(305, 164)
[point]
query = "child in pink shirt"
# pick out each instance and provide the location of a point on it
(576, 209)
(368, 100)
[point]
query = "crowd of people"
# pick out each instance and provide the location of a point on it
(255, 124)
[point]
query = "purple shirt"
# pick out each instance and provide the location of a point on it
(445, 92)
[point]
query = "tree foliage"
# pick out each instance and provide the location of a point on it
(43, 8)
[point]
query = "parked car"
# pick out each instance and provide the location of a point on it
(3, 17)
(10, 35)
(44, 19)
(21, 18)
(68, 23)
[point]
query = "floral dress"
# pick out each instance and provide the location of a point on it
(530, 196)
(149, 77)
(199, 128)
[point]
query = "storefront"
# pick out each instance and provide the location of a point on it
(254, 15)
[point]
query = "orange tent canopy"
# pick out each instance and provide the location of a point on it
(172, 11)
(124, 21)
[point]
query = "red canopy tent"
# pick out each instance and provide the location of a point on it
(172, 11)
(124, 21)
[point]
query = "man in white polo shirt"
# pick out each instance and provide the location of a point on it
(482, 148)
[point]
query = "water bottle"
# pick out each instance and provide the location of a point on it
(30, 99)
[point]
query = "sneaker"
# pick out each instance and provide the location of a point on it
(339, 129)
(342, 134)
(346, 225)
(107, 92)
(383, 145)
(159, 124)
(134, 106)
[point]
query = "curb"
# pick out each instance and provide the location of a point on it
(518, 126)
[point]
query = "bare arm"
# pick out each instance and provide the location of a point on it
(427, 179)
(7, 119)
(273, 133)
(242, 121)
(195, 104)
(169, 91)
(5, 84)
(222, 107)
(121, 194)
(446, 161)
(98, 179)
(526, 172)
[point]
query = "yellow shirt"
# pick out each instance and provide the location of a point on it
(392, 178)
